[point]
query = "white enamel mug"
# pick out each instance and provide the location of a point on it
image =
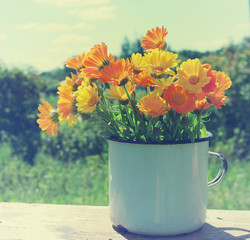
(160, 189)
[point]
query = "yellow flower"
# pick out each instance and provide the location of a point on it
(119, 93)
(152, 106)
(87, 98)
(161, 84)
(67, 99)
(192, 76)
(139, 63)
(160, 62)
(48, 118)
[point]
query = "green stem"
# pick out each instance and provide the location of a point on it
(149, 130)
(199, 121)
(135, 112)
(178, 119)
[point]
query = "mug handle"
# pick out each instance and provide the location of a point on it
(223, 169)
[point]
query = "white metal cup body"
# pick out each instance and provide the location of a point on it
(158, 189)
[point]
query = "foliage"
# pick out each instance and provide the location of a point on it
(233, 121)
(74, 143)
(19, 96)
(53, 181)
(86, 182)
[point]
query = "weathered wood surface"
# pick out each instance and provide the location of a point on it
(20, 221)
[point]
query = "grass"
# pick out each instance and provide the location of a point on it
(80, 182)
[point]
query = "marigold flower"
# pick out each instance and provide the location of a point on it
(222, 81)
(160, 62)
(116, 72)
(152, 106)
(216, 98)
(155, 39)
(199, 104)
(211, 85)
(118, 92)
(138, 62)
(192, 76)
(87, 98)
(144, 79)
(179, 99)
(96, 60)
(48, 118)
(76, 63)
(161, 84)
(67, 101)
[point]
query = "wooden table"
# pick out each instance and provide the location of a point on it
(22, 221)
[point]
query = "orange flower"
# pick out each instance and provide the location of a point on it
(48, 118)
(96, 60)
(199, 104)
(155, 39)
(116, 72)
(179, 99)
(211, 85)
(119, 93)
(222, 81)
(76, 63)
(216, 98)
(144, 79)
(153, 106)
(67, 101)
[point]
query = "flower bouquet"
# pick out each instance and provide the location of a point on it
(174, 102)
(152, 110)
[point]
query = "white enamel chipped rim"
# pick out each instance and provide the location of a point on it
(160, 189)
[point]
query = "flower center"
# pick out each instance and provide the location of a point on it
(92, 101)
(178, 99)
(193, 79)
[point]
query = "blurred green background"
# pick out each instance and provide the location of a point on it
(73, 167)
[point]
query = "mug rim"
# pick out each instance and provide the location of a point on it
(209, 136)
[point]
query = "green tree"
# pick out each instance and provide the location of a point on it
(19, 98)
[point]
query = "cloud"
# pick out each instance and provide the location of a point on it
(73, 3)
(71, 38)
(3, 36)
(54, 26)
(95, 13)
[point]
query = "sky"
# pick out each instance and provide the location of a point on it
(43, 34)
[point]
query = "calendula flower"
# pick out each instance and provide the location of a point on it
(116, 72)
(161, 84)
(202, 104)
(152, 106)
(144, 79)
(155, 39)
(96, 60)
(76, 63)
(138, 62)
(192, 76)
(48, 118)
(216, 98)
(222, 81)
(160, 62)
(87, 98)
(179, 99)
(118, 92)
(211, 85)
(67, 101)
